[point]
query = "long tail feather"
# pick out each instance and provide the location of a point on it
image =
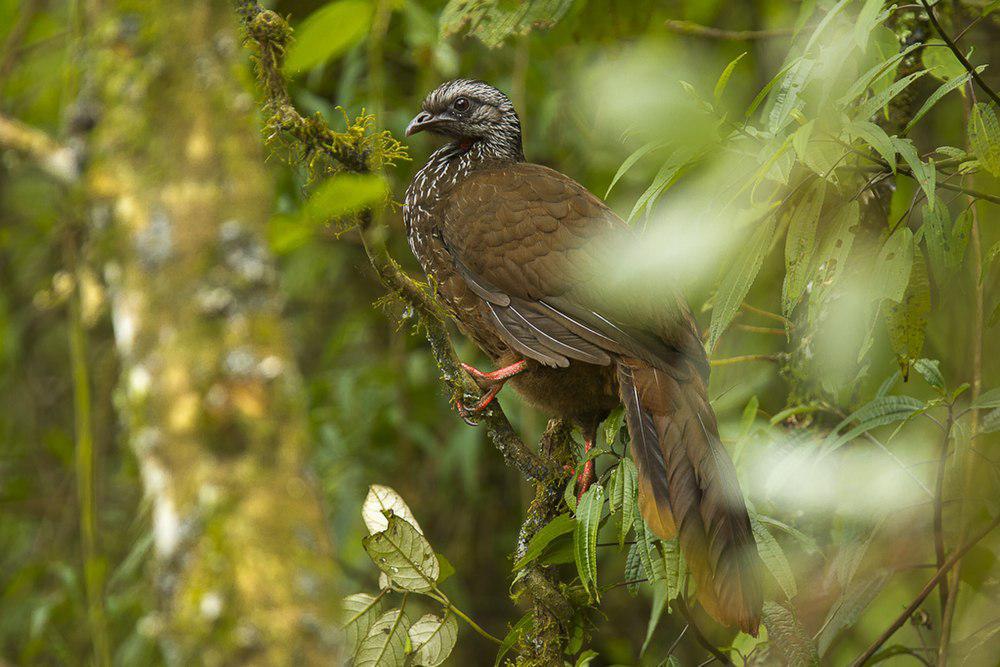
(688, 487)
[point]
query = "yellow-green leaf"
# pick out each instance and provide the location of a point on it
(328, 32)
(588, 520)
(984, 136)
(800, 244)
(907, 320)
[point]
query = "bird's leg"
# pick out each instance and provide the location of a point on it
(491, 382)
(586, 477)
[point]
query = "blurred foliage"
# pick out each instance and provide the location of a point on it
(799, 187)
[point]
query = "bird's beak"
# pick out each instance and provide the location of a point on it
(423, 121)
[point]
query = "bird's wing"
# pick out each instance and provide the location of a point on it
(541, 251)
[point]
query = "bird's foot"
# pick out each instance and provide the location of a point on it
(492, 382)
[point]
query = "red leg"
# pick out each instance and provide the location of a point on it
(492, 383)
(586, 477)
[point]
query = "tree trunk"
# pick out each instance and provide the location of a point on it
(210, 395)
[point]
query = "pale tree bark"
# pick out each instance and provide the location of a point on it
(210, 397)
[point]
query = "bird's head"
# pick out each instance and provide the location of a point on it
(470, 111)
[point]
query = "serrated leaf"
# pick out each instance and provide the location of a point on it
(588, 520)
(385, 643)
(774, 558)
(404, 555)
(869, 16)
(874, 136)
(359, 614)
(740, 277)
(882, 98)
(936, 96)
(788, 97)
(984, 136)
(560, 525)
(433, 639)
(924, 172)
(630, 161)
(613, 426)
(622, 495)
(674, 566)
(907, 320)
(720, 85)
(382, 499)
(930, 370)
(877, 72)
(875, 413)
(649, 556)
(328, 32)
(988, 399)
(800, 244)
(633, 568)
(893, 266)
(848, 608)
(788, 637)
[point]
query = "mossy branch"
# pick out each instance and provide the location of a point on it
(359, 149)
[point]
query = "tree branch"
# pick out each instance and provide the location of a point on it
(59, 161)
(928, 587)
(698, 30)
(958, 54)
(358, 151)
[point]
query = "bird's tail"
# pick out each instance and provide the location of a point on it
(688, 487)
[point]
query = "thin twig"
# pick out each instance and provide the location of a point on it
(59, 161)
(768, 314)
(709, 32)
(958, 54)
(776, 358)
(939, 552)
(927, 589)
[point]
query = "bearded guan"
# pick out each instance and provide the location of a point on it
(522, 256)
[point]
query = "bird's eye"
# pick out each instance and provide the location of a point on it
(461, 104)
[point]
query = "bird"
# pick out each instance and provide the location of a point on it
(523, 259)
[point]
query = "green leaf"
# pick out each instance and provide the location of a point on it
(788, 637)
(328, 32)
(893, 266)
(360, 612)
(445, 567)
(808, 543)
(523, 624)
(560, 525)
(984, 136)
(385, 643)
(433, 639)
(869, 16)
(740, 277)
(876, 102)
(991, 422)
(780, 76)
(987, 399)
(774, 558)
(585, 658)
(875, 73)
(835, 248)
(800, 244)
(875, 137)
(937, 236)
(674, 566)
(660, 598)
(622, 495)
(848, 608)
(924, 172)
(493, 21)
(613, 426)
(930, 371)
(720, 85)
(342, 195)
(936, 96)
(649, 556)
(878, 412)
(907, 320)
(788, 97)
(588, 520)
(664, 178)
(404, 555)
(633, 568)
(630, 161)
(941, 61)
